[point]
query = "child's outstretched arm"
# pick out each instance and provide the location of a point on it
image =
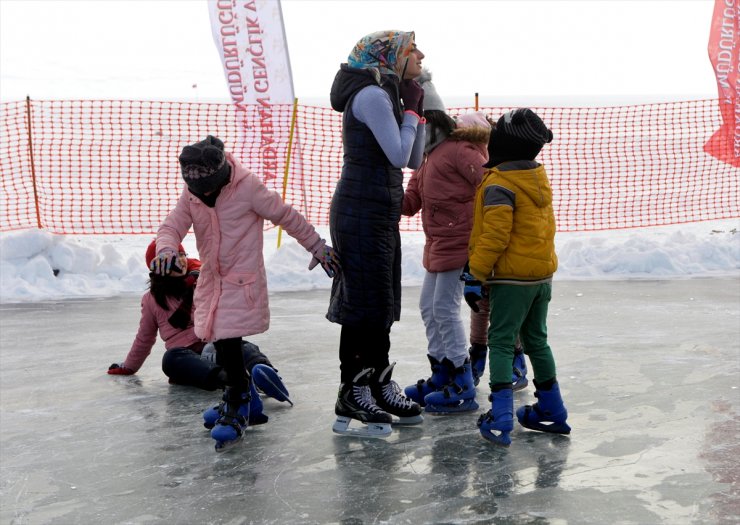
(142, 345)
(270, 205)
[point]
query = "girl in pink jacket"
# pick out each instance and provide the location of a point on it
(226, 206)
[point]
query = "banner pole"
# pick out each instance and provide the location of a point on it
(287, 160)
(476, 101)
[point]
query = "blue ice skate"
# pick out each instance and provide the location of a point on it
(496, 424)
(519, 370)
(548, 414)
(267, 380)
(254, 413)
(234, 420)
(424, 387)
(457, 396)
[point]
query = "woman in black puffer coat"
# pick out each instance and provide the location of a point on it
(381, 134)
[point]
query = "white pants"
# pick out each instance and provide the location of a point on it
(441, 296)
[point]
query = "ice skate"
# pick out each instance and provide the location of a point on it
(355, 402)
(267, 380)
(496, 424)
(478, 357)
(254, 415)
(234, 420)
(519, 370)
(423, 387)
(388, 397)
(548, 414)
(457, 396)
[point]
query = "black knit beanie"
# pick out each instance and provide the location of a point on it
(204, 165)
(519, 135)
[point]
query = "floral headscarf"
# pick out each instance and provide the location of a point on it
(384, 51)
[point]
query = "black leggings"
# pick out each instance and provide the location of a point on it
(229, 356)
(363, 347)
(185, 367)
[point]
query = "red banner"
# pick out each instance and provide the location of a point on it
(724, 53)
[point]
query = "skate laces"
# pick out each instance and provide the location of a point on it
(393, 396)
(365, 398)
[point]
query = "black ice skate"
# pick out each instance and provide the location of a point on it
(388, 397)
(355, 401)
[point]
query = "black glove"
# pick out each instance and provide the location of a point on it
(413, 96)
(474, 291)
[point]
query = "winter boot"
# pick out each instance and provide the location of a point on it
(253, 414)
(496, 424)
(478, 357)
(438, 379)
(355, 401)
(388, 397)
(459, 393)
(519, 370)
(548, 414)
(267, 380)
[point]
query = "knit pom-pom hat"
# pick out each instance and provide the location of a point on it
(203, 165)
(518, 135)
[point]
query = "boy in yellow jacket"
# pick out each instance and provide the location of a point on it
(512, 251)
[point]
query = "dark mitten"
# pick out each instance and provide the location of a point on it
(474, 291)
(412, 95)
(420, 111)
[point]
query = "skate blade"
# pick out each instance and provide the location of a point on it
(369, 430)
(468, 405)
(550, 428)
(502, 439)
(267, 380)
(411, 420)
(520, 385)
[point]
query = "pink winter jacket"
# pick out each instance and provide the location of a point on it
(443, 188)
(155, 318)
(231, 297)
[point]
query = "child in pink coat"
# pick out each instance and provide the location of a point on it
(226, 206)
(443, 189)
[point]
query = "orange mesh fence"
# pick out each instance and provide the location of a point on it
(110, 167)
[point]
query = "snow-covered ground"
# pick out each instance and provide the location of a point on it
(36, 265)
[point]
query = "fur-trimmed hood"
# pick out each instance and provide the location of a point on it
(475, 135)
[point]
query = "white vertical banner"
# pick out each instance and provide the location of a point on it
(250, 38)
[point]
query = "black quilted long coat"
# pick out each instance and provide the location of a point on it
(364, 216)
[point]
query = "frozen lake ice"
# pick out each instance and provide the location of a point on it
(648, 369)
